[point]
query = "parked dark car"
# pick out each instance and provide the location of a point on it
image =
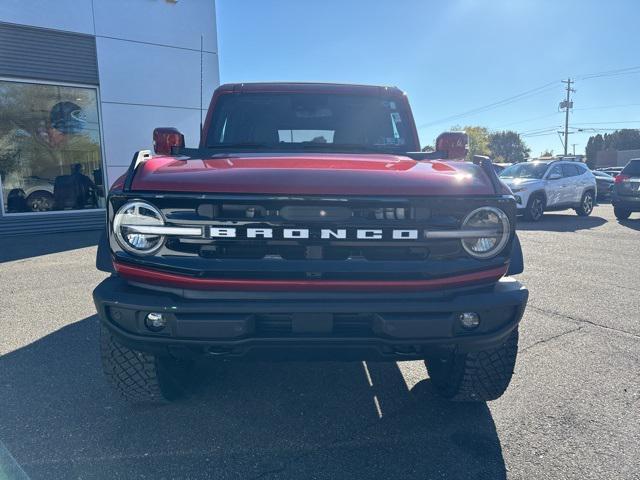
(605, 183)
(613, 171)
(626, 192)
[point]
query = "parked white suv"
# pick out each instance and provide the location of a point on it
(541, 186)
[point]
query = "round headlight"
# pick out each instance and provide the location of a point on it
(134, 226)
(493, 231)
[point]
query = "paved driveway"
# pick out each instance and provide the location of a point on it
(572, 411)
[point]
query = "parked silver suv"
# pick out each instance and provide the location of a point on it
(541, 186)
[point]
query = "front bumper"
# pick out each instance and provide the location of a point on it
(323, 325)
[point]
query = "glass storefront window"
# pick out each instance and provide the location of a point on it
(50, 156)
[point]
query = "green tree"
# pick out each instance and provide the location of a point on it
(594, 145)
(478, 140)
(625, 139)
(507, 146)
(547, 153)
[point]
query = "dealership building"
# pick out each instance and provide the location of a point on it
(83, 83)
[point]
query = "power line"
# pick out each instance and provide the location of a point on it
(515, 98)
(611, 73)
(607, 123)
(541, 129)
(529, 120)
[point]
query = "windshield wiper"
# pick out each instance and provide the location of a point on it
(226, 146)
(346, 146)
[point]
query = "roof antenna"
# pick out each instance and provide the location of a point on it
(201, 42)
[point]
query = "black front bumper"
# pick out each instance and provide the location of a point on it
(319, 325)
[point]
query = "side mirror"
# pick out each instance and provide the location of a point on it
(166, 137)
(453, 145)
(555, 176)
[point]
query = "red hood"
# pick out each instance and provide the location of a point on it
(329, 174)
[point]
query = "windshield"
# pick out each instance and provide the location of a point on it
(525, 170)
(303, 121)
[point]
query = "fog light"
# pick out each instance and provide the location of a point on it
(155, 321)
(469, 320)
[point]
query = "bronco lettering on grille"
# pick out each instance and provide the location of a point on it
(321, 233)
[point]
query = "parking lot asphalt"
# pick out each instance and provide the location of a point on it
(571, 412)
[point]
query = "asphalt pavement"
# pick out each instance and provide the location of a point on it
(572, 410)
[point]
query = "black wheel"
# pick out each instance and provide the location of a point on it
(40, 201)
(621, 213)
(586, 204)
(477, 376)
(535, 208)
(139, 376)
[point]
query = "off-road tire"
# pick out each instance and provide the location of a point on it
(475, 377)
(531, 212)
(586, 204)
(621, 213)
(139, 376)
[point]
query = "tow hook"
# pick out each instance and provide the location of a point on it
(407, 350)
(218, 351)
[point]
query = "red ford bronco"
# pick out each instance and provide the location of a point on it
(308, 224)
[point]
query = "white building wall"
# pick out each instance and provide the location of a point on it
(148, 61)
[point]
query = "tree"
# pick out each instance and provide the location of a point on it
(547, 153)
(625, 139)
(507, 146)
(594, 145)
(478, 140)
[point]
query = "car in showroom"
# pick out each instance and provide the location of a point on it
(540, 186)
(34, 194)
(308, 224)
(626, 191)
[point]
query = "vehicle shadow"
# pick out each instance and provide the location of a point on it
(632, 223)
(554, 222)
(18, 247)
(244, 420)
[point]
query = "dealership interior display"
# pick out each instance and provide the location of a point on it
(50, 152)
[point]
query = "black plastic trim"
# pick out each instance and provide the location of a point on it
(113, 292)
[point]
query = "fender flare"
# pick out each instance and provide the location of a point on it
(103, 256)
(516, 263)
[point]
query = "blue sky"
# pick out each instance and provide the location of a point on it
(451, 56)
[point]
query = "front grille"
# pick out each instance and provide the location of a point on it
(330, 213)
(315, 256)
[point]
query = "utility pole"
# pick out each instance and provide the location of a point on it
(567, 104)
(574, 147)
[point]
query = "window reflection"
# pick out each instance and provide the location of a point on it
(49, 148)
